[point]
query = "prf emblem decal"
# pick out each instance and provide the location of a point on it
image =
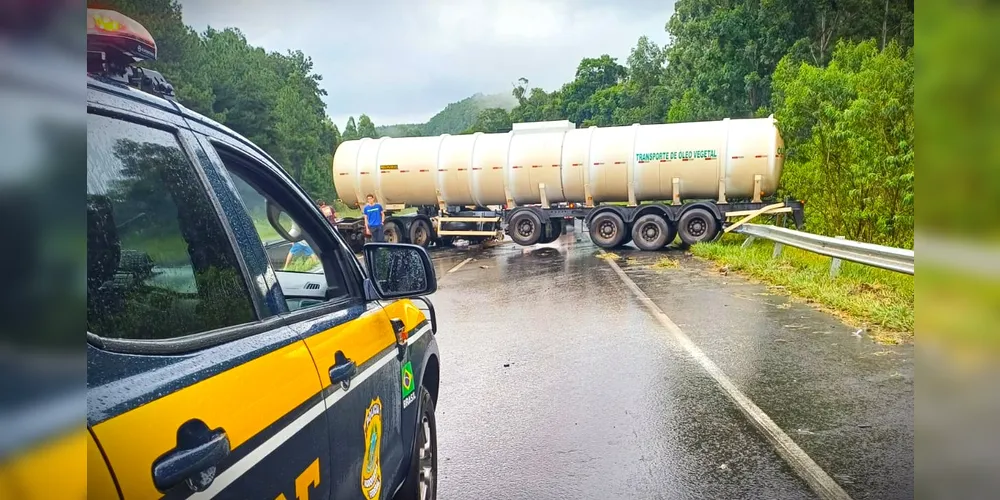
(371, 469)
(407, 382)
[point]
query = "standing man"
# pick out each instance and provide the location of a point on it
(328, 212)
(374, 218)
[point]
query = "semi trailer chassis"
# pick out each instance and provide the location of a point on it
(649, 226)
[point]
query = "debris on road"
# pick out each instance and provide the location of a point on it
(666, 263)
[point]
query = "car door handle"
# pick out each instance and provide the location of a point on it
(343, 369)
(199, 450)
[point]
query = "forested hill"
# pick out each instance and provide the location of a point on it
(455, 118)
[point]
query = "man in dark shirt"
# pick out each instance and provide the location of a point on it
(374, 218)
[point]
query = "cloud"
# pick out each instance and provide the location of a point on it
(402, 61)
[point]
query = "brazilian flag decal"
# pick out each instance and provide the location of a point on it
(407, 376)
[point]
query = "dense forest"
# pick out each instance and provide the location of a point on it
(273, 99)
(837, 75)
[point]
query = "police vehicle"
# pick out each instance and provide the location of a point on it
(215, 367)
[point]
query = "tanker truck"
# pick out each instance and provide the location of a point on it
(645, 184)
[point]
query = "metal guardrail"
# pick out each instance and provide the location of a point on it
(893, 259)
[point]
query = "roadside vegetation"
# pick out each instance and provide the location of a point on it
(878, 300)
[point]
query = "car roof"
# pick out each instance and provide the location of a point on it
(145, 98)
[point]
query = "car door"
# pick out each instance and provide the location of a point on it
(352, 340)
(196, 387)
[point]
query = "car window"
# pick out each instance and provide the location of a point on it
(307, 276)
(159, 263)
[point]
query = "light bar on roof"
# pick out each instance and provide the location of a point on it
(110, 31)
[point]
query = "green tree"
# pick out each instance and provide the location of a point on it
(535, 104)
(592, 76)
(366, 128)
(491, 121)
(335, 137)
(849, 131)
(350, 130)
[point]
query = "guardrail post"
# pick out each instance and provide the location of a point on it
(749, 241)
(777, 250)
(835, 263)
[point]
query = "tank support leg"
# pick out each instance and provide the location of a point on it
(543, 195)
(722, 192)
(442, 206)
(756, 187)
(677, 191)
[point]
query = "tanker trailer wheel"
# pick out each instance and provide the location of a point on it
(607, 230)
(652, 232)
(697, 225)
(420, 233)
(392, 232)
(628, 237)
(525, 228)
(553, 231)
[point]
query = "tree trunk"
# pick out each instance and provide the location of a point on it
(885, 21)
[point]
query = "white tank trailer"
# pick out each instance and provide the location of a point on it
(639, 183)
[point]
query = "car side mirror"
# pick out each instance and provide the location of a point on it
(398, 270)
(282, 223)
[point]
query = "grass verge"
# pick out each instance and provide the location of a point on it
(866, 296)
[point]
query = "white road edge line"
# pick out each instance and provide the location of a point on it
(259, 453)
(805, 467)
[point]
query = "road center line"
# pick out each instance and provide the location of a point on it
(801, 463)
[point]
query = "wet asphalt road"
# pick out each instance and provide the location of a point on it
(557, 383)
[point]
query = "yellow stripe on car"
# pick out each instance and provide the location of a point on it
(243, 400)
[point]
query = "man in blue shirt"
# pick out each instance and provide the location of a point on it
(303, 250)
(374, 217)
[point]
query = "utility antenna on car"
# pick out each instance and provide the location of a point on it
(115, 45)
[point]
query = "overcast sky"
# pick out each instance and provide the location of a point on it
(402, 61)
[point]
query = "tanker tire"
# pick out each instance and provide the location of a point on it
(525, 228)
(420, 233)
(392, 232)
(607, 230)
(628, 237)
(697, 225)
(553, 231)
(651, 232)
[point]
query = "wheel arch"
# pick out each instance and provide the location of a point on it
(544, 217)
(620, 211)
(711, 207)
(656, 209)
(431, 378)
